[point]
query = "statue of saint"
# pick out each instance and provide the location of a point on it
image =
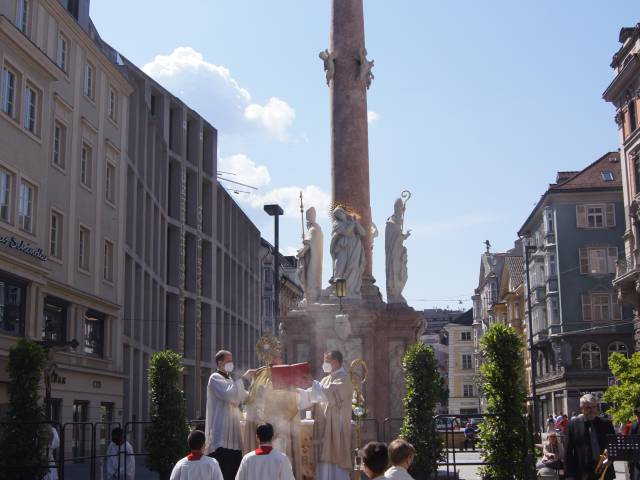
(347, 252)
(310, 259)
(396, 254)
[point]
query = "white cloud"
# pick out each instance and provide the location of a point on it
(276, 116)
(372, 116)
(289, 199)
(244, 170)
(217, 96)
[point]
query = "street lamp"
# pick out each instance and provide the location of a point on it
(53, 346)
(532, 361)
(341, 289)
(275, 211)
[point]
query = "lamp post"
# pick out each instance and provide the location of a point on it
(52, 346)
(532, 360)
(341, 289)
(275, 211)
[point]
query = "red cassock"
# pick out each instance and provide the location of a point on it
(297, 375)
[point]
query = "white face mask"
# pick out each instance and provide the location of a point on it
(228, 367)
(326, 367)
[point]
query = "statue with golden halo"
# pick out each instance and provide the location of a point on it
(272, 398)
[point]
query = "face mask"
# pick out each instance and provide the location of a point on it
(326, 367)
(228, 367)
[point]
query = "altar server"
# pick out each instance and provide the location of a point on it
(265, 462)
(222, 425)
(196, 466)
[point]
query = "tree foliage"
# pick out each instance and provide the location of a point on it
(166, 437)
(624, 396)
(503, 434)
(425, 388)
(25, 436)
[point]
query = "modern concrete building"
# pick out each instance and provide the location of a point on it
(64, 131)
(624, 94)
(436, 318)
(576, 232)
(463, 392)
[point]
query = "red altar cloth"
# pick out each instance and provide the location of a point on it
(297, 375)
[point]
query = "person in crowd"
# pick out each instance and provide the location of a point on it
(586, 440)
(634, 429)
(375, 459)
(552, 452)
(120, 466)
(469, 437)
(196, 465)
(551, 423)
(401, 455)
(222, 422)
(265, 461)
(54, 443)
(562, 422)
(331, 399)
(574, 415)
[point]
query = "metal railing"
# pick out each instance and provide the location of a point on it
(625, 265)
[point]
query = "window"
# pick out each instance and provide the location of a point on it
(8, 92)
(600, 307)
(86, 162)
(110, 183)
(22, 15)
(467, 390)
(465, 336)
(12, 307)
(607, 176)
(107, 267)
(598, 260)
(5, 195)
(25, 207)
(84, 248)
(55, 320)
(73, 7)
(93, 333)
(596, 216)
(466, 361)
(113, 104)
(590, 356)
(55, 235)
(59, 144)
(62, 52)
(618, 347)
(89, 80)
(30, 108)
(633, 118)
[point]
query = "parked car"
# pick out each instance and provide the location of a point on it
(475, 422)
(448, 423)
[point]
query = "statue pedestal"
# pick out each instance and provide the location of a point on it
(376, 332)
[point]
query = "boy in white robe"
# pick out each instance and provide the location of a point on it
(265, 462)
(222, 424)
(196, 466)
(401, 455)
(116, 458)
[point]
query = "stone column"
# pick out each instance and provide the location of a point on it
(349, 131)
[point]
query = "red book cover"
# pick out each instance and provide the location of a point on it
(297, 375)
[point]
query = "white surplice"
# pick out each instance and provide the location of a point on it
(206, 468)
(222, 425)
(272, 466)
(127, 467)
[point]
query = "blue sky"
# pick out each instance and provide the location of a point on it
(478, 104)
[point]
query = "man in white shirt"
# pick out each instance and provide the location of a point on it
(375, 458)
(116, 458)
(401, 455)
(196, 466)
(222, 426)
(265, 462)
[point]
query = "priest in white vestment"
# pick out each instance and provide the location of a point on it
(331, 397)
(196, 465)
(222, 424)
(265, 462)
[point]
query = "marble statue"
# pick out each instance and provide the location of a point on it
(310, 259)
(396, 254)
(366, 67)
(347, 252)
(329, 64)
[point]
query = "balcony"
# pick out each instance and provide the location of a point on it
(625, 266)
(626, 280)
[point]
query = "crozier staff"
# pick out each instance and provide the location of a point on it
(222, 425)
